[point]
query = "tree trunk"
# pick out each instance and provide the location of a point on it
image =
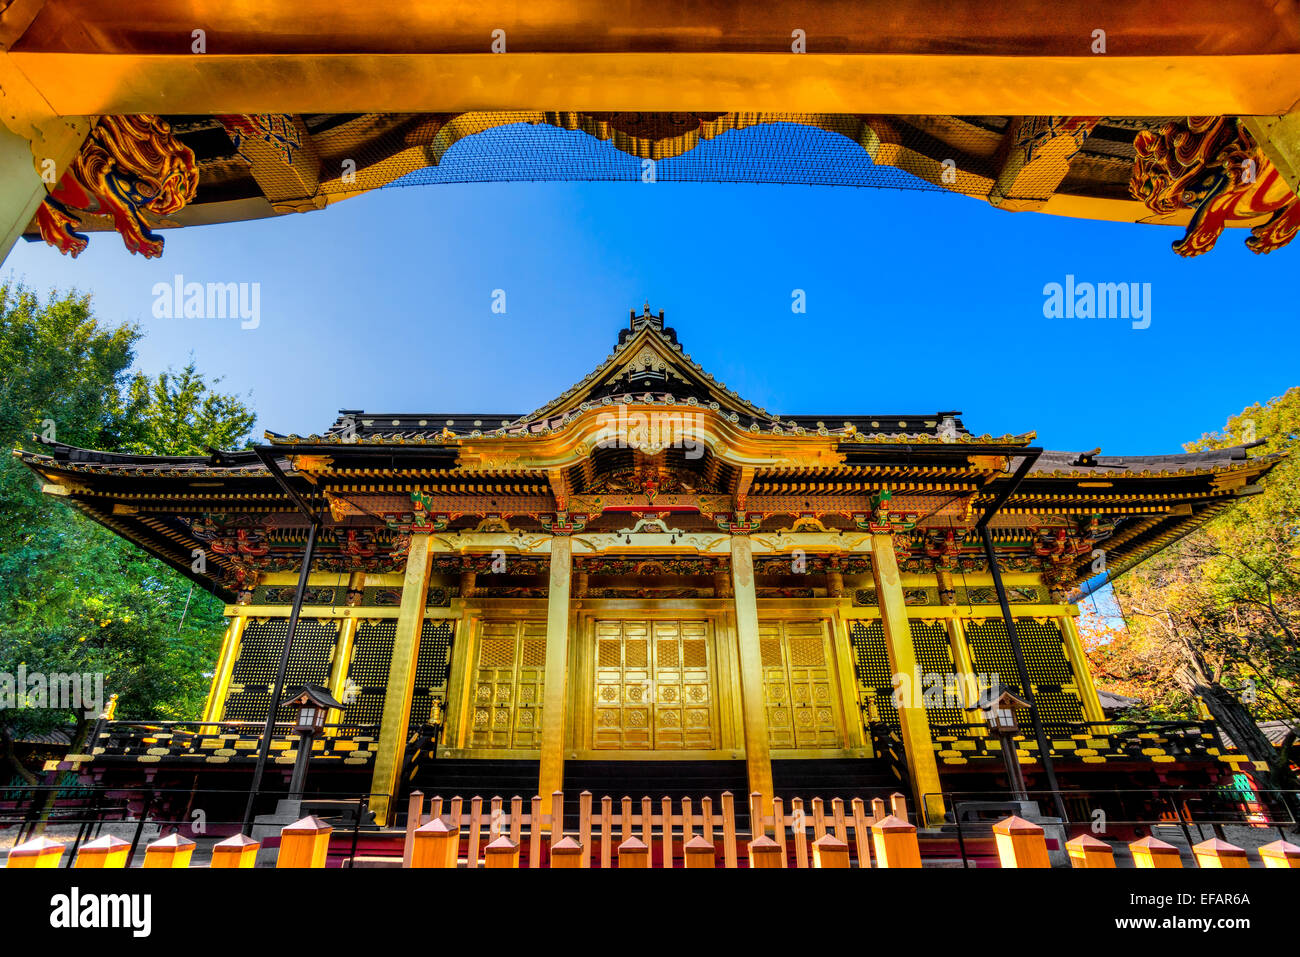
(1237, 723)
(11, 757)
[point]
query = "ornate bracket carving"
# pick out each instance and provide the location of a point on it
(883, 520)
(562, 523)
(738, 523)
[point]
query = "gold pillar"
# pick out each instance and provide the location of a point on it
(967, 683)
(961, 659)
(216, 704)
(1082, 676)
(758, 758)
(555, 688)
(401, 675)
(343, 652)
(912, 719)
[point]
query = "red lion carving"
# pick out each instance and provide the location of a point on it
(1211, 163)
(127, 164)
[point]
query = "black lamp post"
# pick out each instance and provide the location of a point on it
(1001, 716)
(313, 706)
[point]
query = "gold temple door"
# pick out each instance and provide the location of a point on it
(798, 685)
(654, 686)
(508, 681)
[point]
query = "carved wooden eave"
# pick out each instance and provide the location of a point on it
(648, 454)
(583, 433)
(705, 543)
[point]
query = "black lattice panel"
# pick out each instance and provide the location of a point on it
(1044, 651)
(934, 655)
(309, 658)
(1045, 660)
(372, 657)
(366, 707)
(249, 705)
(1056, 708)
(871, 662)
(260, 648)
(431, 668)
(253, 676)
(990, 652)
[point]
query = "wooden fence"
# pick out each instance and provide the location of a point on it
(650, 833)
(450, 834)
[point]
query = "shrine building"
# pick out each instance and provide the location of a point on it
(651, 585)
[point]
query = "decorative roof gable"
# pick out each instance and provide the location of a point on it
(648, 360)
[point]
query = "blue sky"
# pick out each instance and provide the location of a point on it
(916, 301)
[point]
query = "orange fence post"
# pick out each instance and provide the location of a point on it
(1215, 853)
(894, 842)
(1020, 843)
(475, 830)
(38, 852)
(778, 829)
(666, 820)
(606, 831)
(1086, 851)
(837, 813)
(304, 843)
(799, 828)
(516, 819)
(1280, 854)
(898, 806)
(878, 810)
(535, 832)
(699, 853)
(728, 830)
(414, 811)
(106, 851)
(584, 826)
(633, 853)
(238, 851)
(171, 851)
(861, 834)
(502, 852)
(567, 853)
(764, 852)
(432, 845)
(1153, 852)
(830, 851)
(453, 838)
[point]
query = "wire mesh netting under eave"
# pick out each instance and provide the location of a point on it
(778, 153)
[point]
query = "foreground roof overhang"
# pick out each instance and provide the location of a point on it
(1027, 57)
(1037, 105)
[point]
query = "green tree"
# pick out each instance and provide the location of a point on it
(1215, 617)
(75, 597)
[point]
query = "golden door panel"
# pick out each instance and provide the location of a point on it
(508, 675)
(798, 685)
(653, 687)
